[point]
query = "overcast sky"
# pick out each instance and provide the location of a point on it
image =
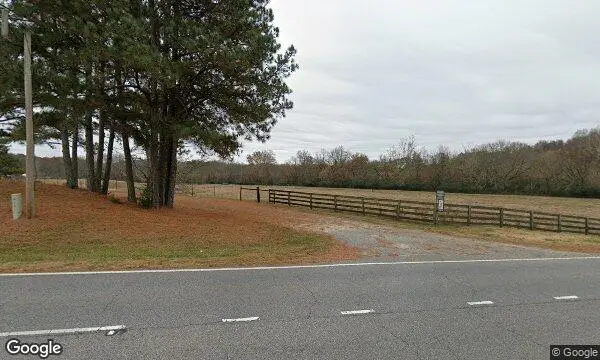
(450, 72)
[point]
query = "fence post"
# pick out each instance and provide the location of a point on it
(335, 202)
(559, 227)
(398, 209)
(363, 205)
(289, 195)
(257, 194)
(435, 215)
(468, 215)
(270, 196)
(240, 193)
(531, 225)
(311, 201)
(587, 227)
(501, 217)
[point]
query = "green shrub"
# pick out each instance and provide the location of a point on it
(145, 198)
(72, 184)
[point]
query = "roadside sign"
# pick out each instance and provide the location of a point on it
(439, 200)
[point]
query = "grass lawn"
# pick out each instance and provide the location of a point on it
(77, 230)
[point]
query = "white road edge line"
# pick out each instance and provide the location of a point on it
(567, 297)
(302, 266)
(356, 312)
(240, 319)
(486, 302)
(112, 329)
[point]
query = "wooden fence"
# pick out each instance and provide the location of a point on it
(426, 212)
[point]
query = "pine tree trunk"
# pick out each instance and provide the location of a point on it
(89, 151)
(171, 171)
(66, 155)
(109, 153)
(74, 157)
(100, 153)
(162, 157)
(128, 168)
(154, 176)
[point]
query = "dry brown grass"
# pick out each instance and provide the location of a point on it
(542, 239)
(75, 229)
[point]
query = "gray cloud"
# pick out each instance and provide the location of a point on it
(457, 73)
(451, 72)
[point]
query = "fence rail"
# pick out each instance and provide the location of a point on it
(427, 212)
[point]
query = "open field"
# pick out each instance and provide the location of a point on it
(75, 229)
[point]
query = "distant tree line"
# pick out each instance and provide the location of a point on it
(558, 168)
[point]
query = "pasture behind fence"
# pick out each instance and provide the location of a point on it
(224, 191)
(427, 212)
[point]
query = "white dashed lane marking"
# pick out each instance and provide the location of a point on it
(357, 312)
(246, 319)
(485, 302)
(567, 297)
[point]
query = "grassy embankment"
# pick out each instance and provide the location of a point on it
(77, 230)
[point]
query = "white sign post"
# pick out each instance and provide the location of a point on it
(17, 205)
(439, 200)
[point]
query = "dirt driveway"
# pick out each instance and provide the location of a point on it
(385, 242)
(390, 240)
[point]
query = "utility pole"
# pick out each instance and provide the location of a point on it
(30, 155)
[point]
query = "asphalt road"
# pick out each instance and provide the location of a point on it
(419, 311)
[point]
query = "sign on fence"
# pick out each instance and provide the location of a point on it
(439, 200)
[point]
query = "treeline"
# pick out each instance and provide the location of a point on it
(558, 168)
